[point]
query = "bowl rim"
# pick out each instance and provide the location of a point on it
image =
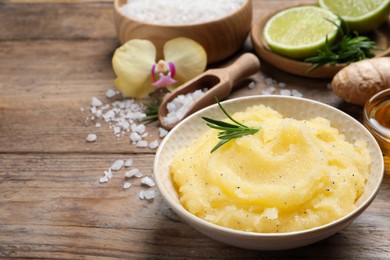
(181, 211)
(244, 5)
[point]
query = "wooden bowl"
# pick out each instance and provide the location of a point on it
(220, 38)
(381, 36)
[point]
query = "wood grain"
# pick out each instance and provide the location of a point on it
(54, 57)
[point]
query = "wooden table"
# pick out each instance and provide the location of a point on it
(54, 57)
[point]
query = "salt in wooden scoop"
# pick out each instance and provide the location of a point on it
(218, 83)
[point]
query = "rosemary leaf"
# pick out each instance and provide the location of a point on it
(350, 48)
(151, 112)
(229, 131)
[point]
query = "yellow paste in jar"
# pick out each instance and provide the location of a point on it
(291, 175)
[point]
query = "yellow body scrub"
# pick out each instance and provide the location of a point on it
(291, 175)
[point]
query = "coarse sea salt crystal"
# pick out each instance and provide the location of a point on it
(128, 162)
(142, 144)
(162, 132)
(135, 137)
(269, 81)
(108, 173)
(138, 128)
(103, 179)
(118, 164)
(285, 92)
(153, 144)
(110, 93)
(96, 102)
(173, 12)
(296, 93)
(179, 106)
(138, 174)
(98, 125)
(148, 181)
(117, 130)
(91, 138)
(147, 195)
(252, 85)
(131, 173)
(126, 185)
(268, 91)
(134, 173)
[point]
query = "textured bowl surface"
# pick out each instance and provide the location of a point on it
(381, 36)
(185, 132)
(220, 38)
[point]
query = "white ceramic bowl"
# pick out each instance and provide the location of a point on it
(185, 132)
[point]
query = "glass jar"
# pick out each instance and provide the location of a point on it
(376, 118)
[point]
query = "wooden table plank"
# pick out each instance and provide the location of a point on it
(54, 57)
(63, 81)
(53, 205)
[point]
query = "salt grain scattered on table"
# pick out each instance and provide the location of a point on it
(252, 85)
(118, 164)
(142, 144)
(191, 12)
(135, 137)
(103, 179)
(148, 181)
(153, 144)
(163, 132)
(138, 174)
(96, 102)
(268, 91)
(126, 185)
(117, 130)
(296, 93)
(128, 162)
(138, 128)
(110, 93)
(147, 195)
(285, 92)
(122, 116)
(91, 138)
(134, 173)
(108, 173)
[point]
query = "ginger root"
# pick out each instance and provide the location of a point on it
(359, 81)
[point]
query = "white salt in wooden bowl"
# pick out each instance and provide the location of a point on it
(299, 108)
(220, 38)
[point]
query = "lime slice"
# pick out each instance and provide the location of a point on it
(298, 32)
(360, 15)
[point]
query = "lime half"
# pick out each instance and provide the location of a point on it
(360, 15)
(299, 32)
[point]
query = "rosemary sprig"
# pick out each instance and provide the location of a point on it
(228, 131)
(350, 48)
(151, 112)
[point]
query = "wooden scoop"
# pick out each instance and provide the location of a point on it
(218, 82)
